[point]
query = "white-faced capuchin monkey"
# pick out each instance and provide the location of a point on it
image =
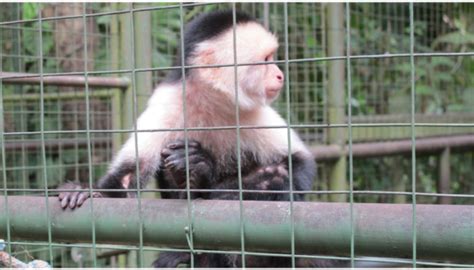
(211, 99)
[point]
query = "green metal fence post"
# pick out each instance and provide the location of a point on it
(444, 176)
(336, 94)
(398, 178)
(117, 98)
(143, 51)
(115, 39)
(126, 35)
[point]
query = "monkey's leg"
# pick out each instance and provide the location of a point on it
(304, 173)
(270, 177)
(171, 259)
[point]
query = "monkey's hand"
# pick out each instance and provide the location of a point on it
(272, 177)
(72, 199)
(201, 164)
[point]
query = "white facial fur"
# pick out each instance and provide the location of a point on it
(257, 85)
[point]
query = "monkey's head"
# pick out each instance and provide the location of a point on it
(210, 40)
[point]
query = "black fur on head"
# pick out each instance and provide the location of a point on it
(203, 27)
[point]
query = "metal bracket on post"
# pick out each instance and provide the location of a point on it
(189, 231)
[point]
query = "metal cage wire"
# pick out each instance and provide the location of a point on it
(316, 126)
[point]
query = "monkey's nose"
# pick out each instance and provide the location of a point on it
(280, 77)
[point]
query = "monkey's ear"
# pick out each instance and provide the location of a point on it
(207, 56)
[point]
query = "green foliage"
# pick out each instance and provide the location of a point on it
(166, 39)
(30, 10)
(442, 84)
(440, 81)
(31, 39)
(460, 37)
(456, 38)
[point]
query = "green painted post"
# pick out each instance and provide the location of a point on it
(398, 179)
(143, 51)
(444, 232)
(118, 97)
(126, 35)
(115, 39)
(336, 96)
(117, 114)
(444, 181)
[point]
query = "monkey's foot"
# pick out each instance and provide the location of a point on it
(271, 177)
(171, 259)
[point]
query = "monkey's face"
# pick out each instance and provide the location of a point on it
(273, 80)
(257, 85)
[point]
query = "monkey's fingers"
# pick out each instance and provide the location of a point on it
(83, 196)
(70, 199)
(279, 170)
(64, 198)
(282, 170)
(178, 159)
(175, 165)
(73, 199)
(270, 170)
(179, 151)
(62, 195)
(182, 144)
(166, 152)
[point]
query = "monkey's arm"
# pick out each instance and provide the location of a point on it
(304, 173)
(122, 173)
(112, 180)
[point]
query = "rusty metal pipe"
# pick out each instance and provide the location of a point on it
(322, 153)
(443, 231)
(63, 80)
(398, 147)
(55, 144)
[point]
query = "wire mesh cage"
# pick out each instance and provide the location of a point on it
(382, 93)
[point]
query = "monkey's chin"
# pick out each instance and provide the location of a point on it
(272, 93)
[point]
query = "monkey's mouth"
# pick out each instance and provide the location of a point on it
(271, 93)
